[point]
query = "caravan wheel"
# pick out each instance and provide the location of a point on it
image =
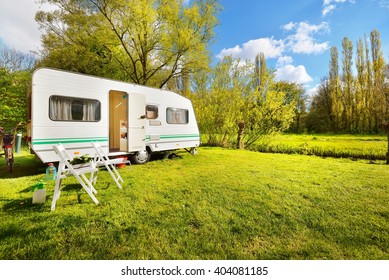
(141, 157)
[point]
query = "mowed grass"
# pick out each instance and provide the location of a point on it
(370, 147)
(219, 204)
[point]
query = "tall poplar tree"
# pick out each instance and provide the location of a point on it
(335, 91)
(348, 86)
(361, 113)
(369, 89)
(359, 103)
(378, 67)
(261, 71)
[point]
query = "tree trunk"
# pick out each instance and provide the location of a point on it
(240, 144)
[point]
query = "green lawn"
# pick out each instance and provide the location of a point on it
(219, 204)
(371, 147)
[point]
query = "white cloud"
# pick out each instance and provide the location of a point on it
(292, 73)
(289, 26)
(18, 27)
(328, 9)
(270, 47)
(284, 60)
(303, 41)
(330, 5)
(312, 91)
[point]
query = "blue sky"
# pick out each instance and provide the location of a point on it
(294, 35)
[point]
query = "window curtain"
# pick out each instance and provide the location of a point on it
(176, 116)
(90, 108)
(61, 108)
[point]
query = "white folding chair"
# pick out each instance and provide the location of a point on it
(101, 159)
(65, 169)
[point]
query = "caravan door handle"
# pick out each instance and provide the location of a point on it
(142, 117)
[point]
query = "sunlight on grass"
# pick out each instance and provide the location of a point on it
(219, 204)
(371, 147)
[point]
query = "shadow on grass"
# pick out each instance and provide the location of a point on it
(18, 205)
(33, 236)
(28, 165)
(25, 204)
(24, 165)
(15, 231)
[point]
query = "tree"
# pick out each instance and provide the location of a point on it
(357, 101)
(148, 42)
(14, 60)
(15, 75)
(319, 117)
(269, 111)
(378, 71)
(294, 93)
(361, 98)
(228, 87)
(369, 89)
(335, 91)
(261, 71)
(232, 111)
(347, 84)
(13, 101)
(386, 115)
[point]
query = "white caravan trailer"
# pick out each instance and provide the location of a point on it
(75, 109)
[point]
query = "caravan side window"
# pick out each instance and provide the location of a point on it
(177, 116)
(63, 108)
(151, 112)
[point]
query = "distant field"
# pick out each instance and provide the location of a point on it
(219, 204)
(338, 146)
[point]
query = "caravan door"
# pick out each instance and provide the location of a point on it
(136, 122)
(118, 110)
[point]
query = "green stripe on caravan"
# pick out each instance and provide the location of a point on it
(51, 141)
(176, 136)
(180, 136)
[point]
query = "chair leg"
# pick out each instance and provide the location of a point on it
(117, 174)
(57, 192)
(93, 177)
(57, 188)
(111, 171)
(85, 183)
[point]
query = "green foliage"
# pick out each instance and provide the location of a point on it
(352, 103)
(146, 42)
(321, 118)
(13, 102)
(258, 206)
(233, 111)
(81, 160)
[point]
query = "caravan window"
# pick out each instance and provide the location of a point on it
(151, 112)
(63, 108)
(177, 116)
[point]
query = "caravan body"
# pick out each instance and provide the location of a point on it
(75, 109)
